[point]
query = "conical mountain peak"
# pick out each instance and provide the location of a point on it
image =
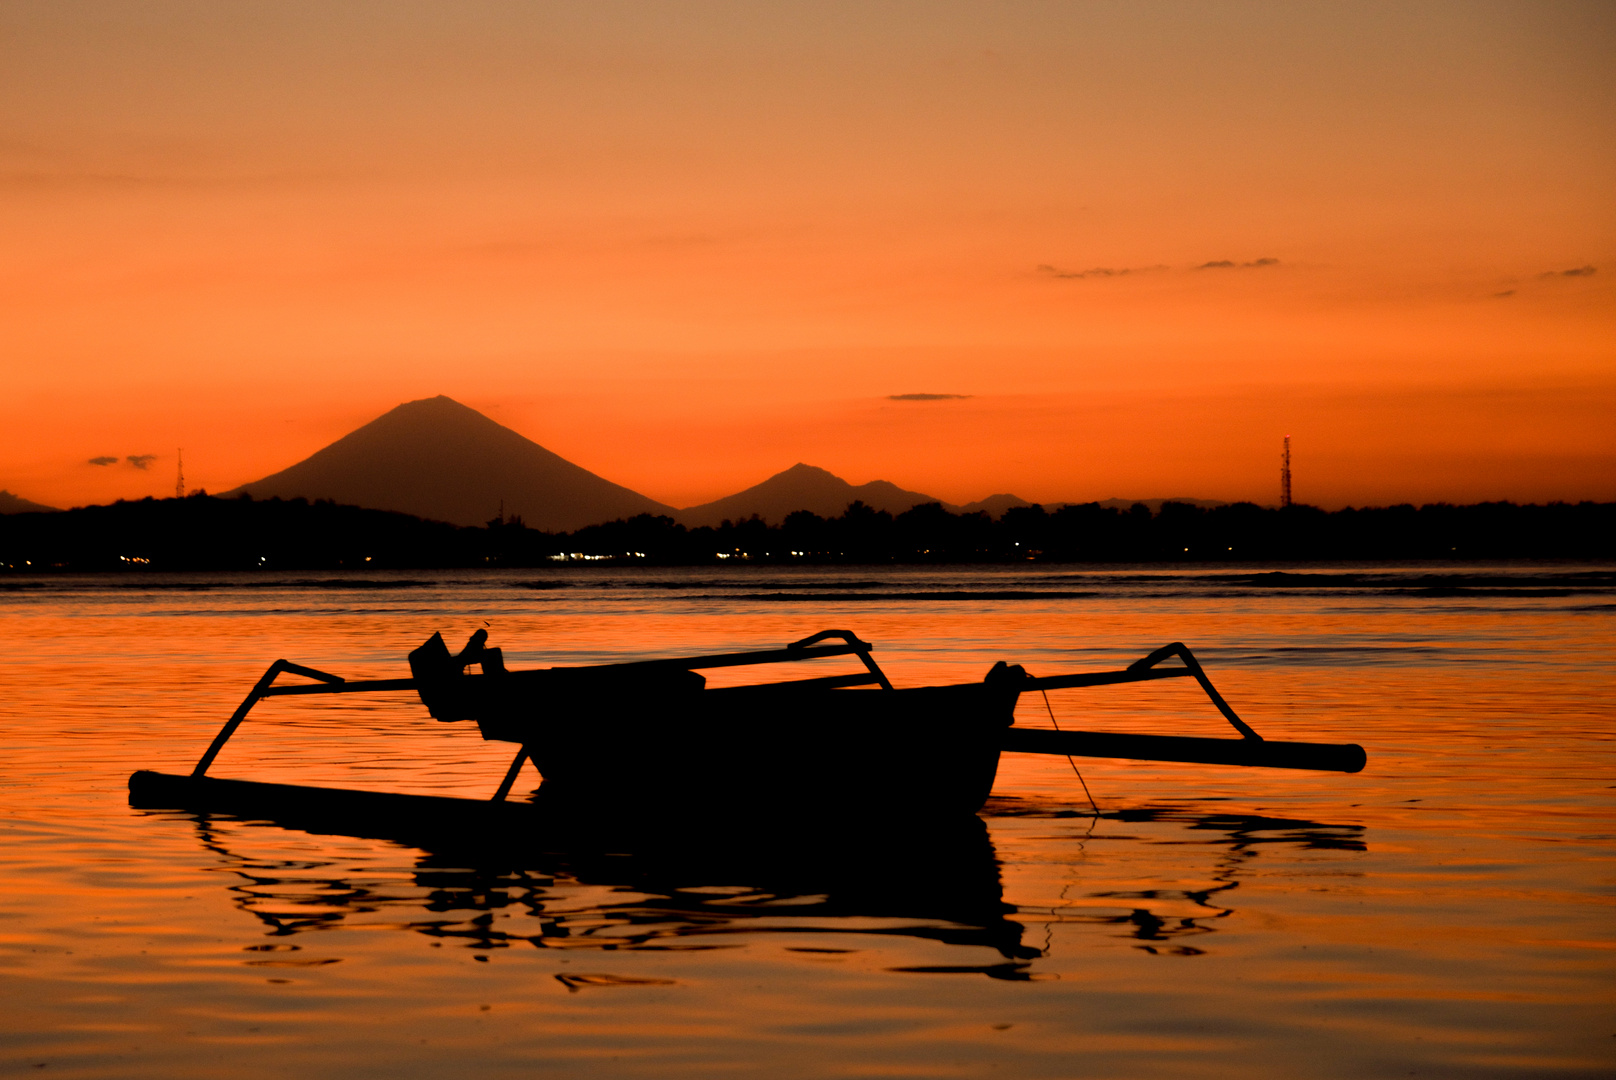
(437, 458)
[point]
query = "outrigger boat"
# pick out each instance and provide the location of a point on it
(649, 738)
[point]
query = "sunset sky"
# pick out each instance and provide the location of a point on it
(688, 245)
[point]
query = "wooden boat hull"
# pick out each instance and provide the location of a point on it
(924, 751)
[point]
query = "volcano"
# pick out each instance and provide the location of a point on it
(802, 487)
(436, 458)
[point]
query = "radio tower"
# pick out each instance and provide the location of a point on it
(179, 480)
(1285, 474)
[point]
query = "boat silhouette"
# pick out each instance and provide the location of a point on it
(649, 740)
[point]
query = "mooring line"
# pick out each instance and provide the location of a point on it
(1069, 760)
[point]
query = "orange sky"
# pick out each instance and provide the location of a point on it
(688, 245)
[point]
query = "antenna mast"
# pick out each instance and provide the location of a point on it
(1285, 474)
(179, 479)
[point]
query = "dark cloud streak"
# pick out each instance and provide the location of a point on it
(1230, 264)
(103, 460)
(141, 461)
(1051, 271)
(927, 397)
(1096, 272)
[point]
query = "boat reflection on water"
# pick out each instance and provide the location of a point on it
(674, 890)
(1235, 838)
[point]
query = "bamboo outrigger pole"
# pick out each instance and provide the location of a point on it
(1251, 749)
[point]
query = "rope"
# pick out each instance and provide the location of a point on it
(1069, 760)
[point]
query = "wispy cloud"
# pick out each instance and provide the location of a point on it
(103, 460)
(1575, 271)
(1051, 271)
(927, 397)
(1095, 272)
(1230, 264)
(141, 461)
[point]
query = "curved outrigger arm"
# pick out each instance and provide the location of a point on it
(1180, 650)
(325, 683)
(1144, 670)
(858, 648)
(1250, 749)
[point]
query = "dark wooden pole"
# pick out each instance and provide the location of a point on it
(1267, 753)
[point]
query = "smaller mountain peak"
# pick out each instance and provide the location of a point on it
(16, 504)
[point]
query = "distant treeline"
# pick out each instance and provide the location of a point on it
(205, 533)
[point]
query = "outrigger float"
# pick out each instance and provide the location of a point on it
(649, 739)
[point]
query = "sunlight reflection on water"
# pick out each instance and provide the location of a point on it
(1445, 911)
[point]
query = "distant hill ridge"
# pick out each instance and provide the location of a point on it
(1156, 504)
(438, 459)
(16, 504)
(208, 533)
(807, 487)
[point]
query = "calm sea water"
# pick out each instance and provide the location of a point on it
(1447, 912)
